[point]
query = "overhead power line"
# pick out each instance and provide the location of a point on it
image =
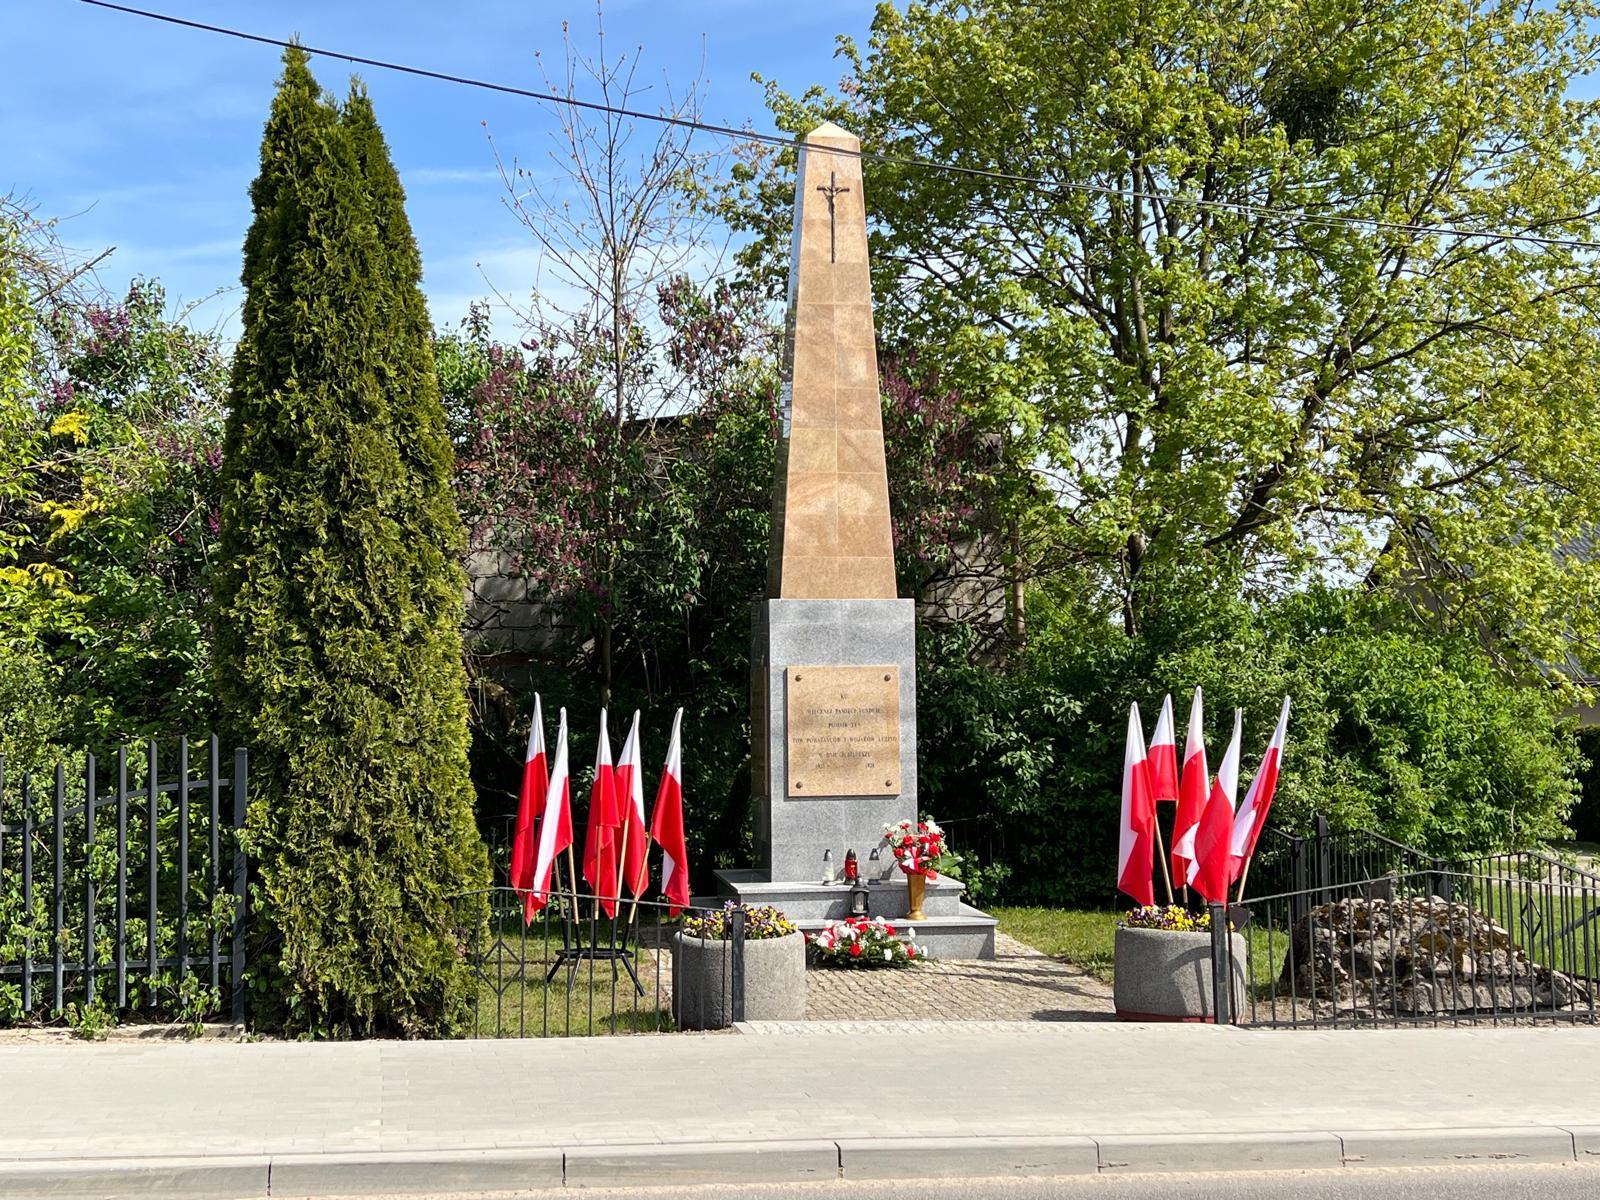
(1240, 208)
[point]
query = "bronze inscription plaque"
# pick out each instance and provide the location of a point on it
(844, 731)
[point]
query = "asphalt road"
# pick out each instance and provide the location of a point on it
(1524, 1182)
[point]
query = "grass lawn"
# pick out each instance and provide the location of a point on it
(1083, 936)
(1087, 938)
(514, 1001)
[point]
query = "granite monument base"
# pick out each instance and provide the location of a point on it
(792, 831)
(953, 929)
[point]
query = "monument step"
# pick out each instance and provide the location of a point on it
(830, 901)
(967, 935)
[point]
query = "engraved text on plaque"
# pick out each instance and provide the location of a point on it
(844, 731)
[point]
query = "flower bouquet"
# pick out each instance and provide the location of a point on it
(918, 847)
(862, 942)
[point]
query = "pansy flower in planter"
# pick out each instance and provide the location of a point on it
(1171, 917)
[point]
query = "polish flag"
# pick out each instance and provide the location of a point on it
(1192, 788)
(555, 826)
(666, 824)
(630, 802)
(1163, 758)
(1258, 798)
(1211, 870)
(604, 829)
(535, 783)
(1136, 851)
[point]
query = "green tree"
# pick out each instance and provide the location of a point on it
(339, 592)
(1395, 729)
(1116, 286)
(110, 430)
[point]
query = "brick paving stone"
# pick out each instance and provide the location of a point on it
(1019, 984)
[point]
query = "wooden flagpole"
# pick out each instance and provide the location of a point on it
(1161, 853)
(572, 878)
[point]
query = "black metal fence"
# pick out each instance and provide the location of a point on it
(574, 971)
(1505, 938)
(122, 885)
(1313, 863)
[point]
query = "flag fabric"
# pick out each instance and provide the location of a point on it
(1163, 758)
(1211, 870)
(535, 784)
(1252, 815)
(630, 801)
(666, 824)
(555, 827)
(1193, 786)
(604, 827)
(1136, 849)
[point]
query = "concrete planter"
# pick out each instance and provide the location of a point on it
(702, 980)
(1162, 975)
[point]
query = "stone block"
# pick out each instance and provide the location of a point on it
(791, 834)
(197, 1178)
(1162, 1153)
(717, 1162)
(1456, 1147)
(442, 1171)
(966, 1157)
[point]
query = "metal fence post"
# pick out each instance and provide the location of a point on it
(1221, 966)
(58, 918)
(736, 966)
(89, 799)
(27, 890)
(1324, 860)
(1439, 882)
(241, 799)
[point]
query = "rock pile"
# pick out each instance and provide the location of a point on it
(1416, 956)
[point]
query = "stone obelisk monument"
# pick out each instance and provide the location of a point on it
(834, 688)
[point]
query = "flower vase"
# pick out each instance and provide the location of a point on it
(916, 888)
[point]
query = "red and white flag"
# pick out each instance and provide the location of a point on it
(630, 799)
(603, 830)
(1193, 786)
(1136, 849)
(1211, 871)
(666, 824)
(1252, 815)
(1163, 758)
(555, 826)
(535, 783)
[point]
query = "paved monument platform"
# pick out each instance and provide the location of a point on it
(952, 929)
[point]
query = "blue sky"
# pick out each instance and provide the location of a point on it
(144, 136)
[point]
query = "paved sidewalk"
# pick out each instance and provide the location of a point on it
(793, 1102)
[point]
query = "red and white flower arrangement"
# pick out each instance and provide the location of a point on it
(862, 942)
(918, 847)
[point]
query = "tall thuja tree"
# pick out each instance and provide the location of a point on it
(339, 592)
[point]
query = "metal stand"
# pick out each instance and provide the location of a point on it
(574, 950)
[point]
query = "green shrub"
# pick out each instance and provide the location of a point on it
(339, 593)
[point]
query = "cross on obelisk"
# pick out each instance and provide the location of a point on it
(830, 190)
